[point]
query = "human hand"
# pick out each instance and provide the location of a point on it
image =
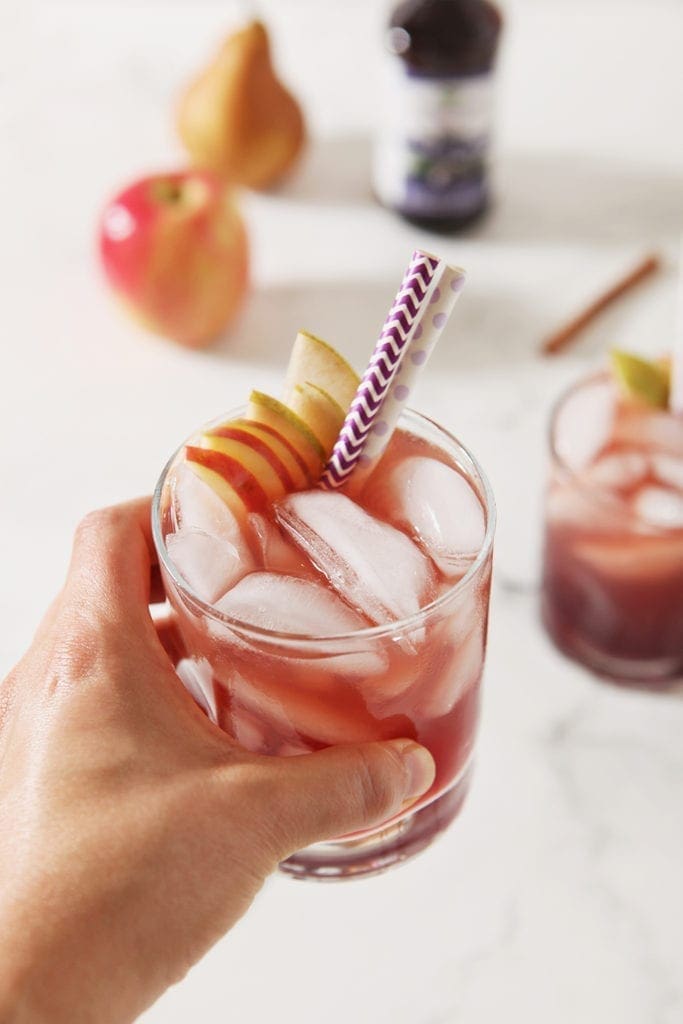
(133, 832)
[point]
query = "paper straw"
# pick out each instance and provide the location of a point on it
(676, 395)
(416, 319)
(424, 339)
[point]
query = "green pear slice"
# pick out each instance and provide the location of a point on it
(314, 361)
(320, 411)
(640, 379)
(264, 409)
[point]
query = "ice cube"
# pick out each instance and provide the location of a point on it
(584, 423)
(634, 558)
(654, 429)
(619, 471)
(277, 553)
(286, 604)
(264, 704)
(437, 505)
(661, 507)
(461, 667)
(576, 506)
(373, 566)
(210, 565)
(247, 730)
(453, 659)
(197, 678)
(306, 718)
(196, 506)
(669, 470)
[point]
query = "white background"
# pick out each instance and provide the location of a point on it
(558, 895)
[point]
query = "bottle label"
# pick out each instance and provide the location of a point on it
(432, 146)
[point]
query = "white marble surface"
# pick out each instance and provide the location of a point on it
(557, 897)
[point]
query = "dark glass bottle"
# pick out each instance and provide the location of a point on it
(431, 156)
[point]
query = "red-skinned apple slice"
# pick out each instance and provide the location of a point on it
(232, 481)
(218, 484)
(319, 410)
(271, 474)
(299, 469)
(264, 409)
(286, 451)
(294, 476)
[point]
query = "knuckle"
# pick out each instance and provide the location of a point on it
(96, 522)
(81, 648)
(77, 652)
(378, 775)
(248, 792)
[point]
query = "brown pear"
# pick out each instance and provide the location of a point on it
(237, 118)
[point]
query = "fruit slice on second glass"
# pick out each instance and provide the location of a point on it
(641, 379)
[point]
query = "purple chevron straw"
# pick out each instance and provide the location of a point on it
(419, 311)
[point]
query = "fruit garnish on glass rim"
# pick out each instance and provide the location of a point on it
(330, 422)
(644, 380)
(278, 446)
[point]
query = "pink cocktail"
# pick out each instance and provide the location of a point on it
(323, 619)
(613, 572)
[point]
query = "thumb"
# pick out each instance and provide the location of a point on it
(345, 789)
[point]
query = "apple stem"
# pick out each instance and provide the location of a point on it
(165, 191)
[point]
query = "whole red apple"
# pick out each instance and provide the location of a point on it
(174, 249)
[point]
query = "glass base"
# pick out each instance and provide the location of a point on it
(370, 855)
(639, 673)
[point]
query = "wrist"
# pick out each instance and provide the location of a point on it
(44, 978)
(15, 1005)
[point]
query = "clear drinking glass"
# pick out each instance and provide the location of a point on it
(287, 694)
(612, 593)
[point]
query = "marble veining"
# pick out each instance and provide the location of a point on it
(557, 897)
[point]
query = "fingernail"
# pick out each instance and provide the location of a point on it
(420, 768)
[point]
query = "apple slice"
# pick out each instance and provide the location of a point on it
(315, 361)
(280, 448)
(268, 411)
(241, 491)
(269, 472)
(319, 410)
(218, 484)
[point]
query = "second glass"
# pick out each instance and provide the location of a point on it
(613, 569)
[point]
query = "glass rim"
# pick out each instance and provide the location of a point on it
(248, 630)
(597, 495)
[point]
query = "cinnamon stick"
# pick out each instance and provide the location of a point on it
(562, 338)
